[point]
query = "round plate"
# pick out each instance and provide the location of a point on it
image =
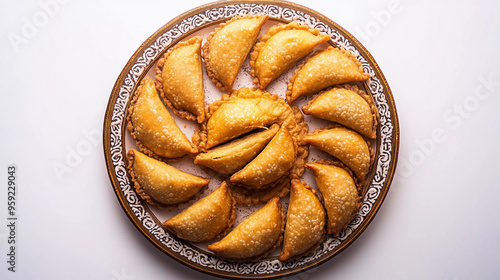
(198, 21)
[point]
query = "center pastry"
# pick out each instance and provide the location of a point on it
(256, 136)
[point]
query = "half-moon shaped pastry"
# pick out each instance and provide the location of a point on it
(207, 219)
(247, 109)
(339, 193)
(346, 145)
(270, 165)
(179, 79)
(280, 48)
(231, 157)
(161, 184)
(348, 106)
(243, 111)
(255, 237)
(305, 222)
(152, 126)
(324, 69)
(228, 46)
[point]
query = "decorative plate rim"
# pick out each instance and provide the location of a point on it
(187, 23)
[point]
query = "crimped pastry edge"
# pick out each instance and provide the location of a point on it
(254, 55)
(159, 82)
(144, 195)
(339, 164)
(230, 222)
(130, 127)
(206, 49)
(272, 248)
(316, 245)
(368, 143)
(363, 94)
(348, 54)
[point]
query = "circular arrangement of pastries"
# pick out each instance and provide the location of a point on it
(256, 142)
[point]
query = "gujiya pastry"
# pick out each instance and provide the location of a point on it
(254, 138)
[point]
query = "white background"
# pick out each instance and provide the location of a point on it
(440, 219)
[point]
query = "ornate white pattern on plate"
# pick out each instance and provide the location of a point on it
(149, 55)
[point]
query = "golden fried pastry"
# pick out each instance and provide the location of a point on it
(207, 219)
(348, 106)
(339, 193)
(247, 109)
(280, 48)
(305, 222)
(241, 115)
(179, 79)
(152, 126)
(346, 145)
(255, 237)
(233, 156)
(324, 69)
(228, 46)
(161, 184)
(271, 164)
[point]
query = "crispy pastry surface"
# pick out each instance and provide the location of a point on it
(231, 157)
(160, 184)
(153, 128)
(280, 48)
(348, 106)
(346, 145)
(179, 79)
(228, 117)
(305, 222)
(255, 237)
(323, 69)
(228, 46)
(208, 218)
(339, 193)
(272, 163)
